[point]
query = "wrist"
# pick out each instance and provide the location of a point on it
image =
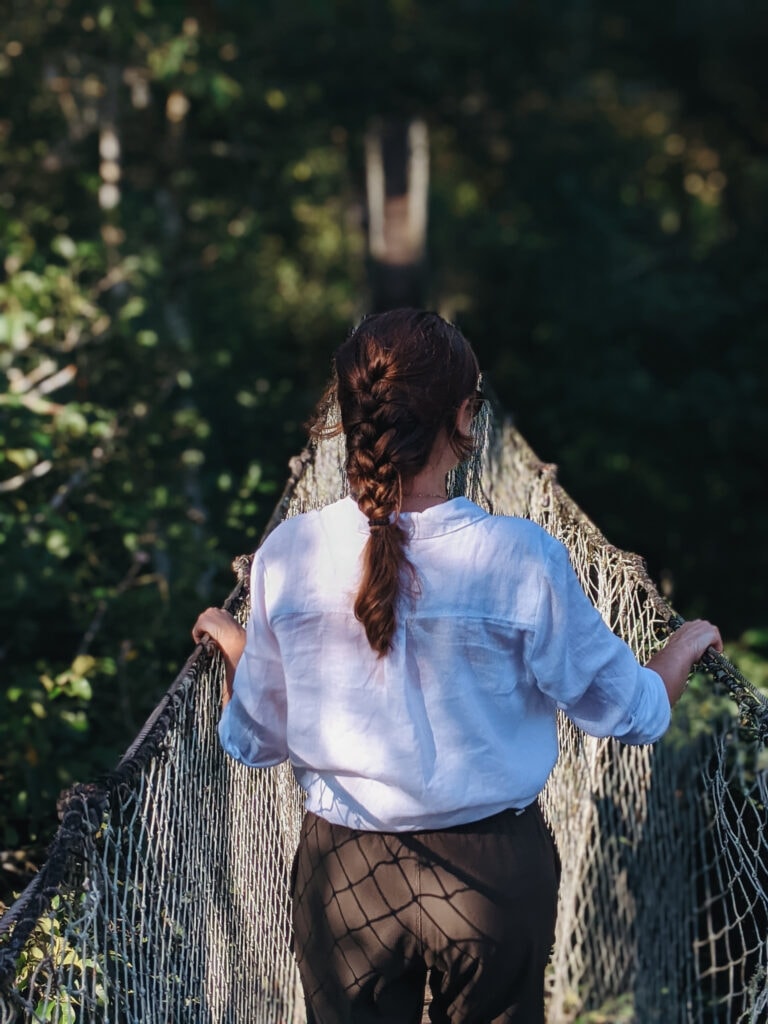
(235, 644)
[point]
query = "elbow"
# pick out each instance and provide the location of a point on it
(254, 747)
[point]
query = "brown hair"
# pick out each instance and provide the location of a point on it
(401, 378)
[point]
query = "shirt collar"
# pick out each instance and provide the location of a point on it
(436, 521)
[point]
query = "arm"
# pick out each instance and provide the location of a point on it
(253, 723)
(685, 647)
(593, 675)
(229, 637)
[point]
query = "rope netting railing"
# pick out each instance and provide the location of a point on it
(165, 896)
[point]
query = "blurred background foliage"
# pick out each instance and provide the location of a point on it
(182, 245)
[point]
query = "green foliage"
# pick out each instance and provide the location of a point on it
(750, 655)
(616, 1011)
(49, 949)
(182, 248)
(158, 319)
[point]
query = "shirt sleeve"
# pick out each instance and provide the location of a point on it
(590, 672)
(252, 728)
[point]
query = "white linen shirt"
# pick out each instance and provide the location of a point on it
(458, 721)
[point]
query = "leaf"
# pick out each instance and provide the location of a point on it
(64, 246)
(81, 688)
(83, 664)
(57, 543)
(133, 308)
(224, 90)
(24, 458)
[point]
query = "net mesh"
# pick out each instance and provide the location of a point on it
(166, 893)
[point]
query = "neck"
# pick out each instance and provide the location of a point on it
(423, 491)
(416, 503)
(427, 488)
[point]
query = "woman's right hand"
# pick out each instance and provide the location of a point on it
(223, 629)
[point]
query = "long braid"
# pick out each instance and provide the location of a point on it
(401, 378)
(378, 489)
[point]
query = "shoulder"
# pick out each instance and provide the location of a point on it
(522, 536)
(289, 535)
(512, 547)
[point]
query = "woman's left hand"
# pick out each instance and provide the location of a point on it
(684, 647)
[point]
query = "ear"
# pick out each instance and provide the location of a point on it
(464, 416)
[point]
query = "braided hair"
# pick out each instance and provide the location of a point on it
(401, 378)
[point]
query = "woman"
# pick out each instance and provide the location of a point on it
(408, 653)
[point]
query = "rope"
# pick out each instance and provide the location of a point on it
(165, 896)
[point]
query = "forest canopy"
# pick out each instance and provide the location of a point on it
(183, 244)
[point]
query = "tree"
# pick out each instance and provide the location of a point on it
(182, 237)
